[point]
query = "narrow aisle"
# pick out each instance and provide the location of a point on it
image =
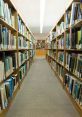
(41, 95)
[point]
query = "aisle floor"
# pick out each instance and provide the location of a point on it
(41, 95)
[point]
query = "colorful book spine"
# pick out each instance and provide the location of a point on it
(1, 9)
(61, 43)
(22, 43)
(74, 63)
(74, 88)
(76, 13)
(61, 57)
(10, 63)
(22, 57)
(67, 19)
(2, 71)
(22, 72)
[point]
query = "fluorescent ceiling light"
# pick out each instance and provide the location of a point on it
(42, 10)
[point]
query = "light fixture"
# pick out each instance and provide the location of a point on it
(42, 10)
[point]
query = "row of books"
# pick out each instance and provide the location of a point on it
(7, 39)
(31, 53)
(60, 28)
(74, 88)
(22, 28)
(54, 35)
(10, 63)
(53, 45)
(53, 64)
(61, 43)
(61, 57)
(31, 45)
(60, 71)
(74, 63)
(22, 43)
(52, 54)
(6, 12)
(74, 39)
(76, 12)
(23, 56)
(22, 72)
(2, 70)
(67, 19)
(48, 46)
(73, 15)
(6, 91)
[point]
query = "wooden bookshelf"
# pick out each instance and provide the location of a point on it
(12, 25)
(56, 36)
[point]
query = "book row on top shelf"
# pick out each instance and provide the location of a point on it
(17, 46)
(64, 51)
(70, 27)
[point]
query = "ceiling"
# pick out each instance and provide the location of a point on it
(30, 11)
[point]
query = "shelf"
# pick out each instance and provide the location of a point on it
(80, 79)
(60, 64)
(60, 34)
(13, 31)
(4, 23)
(6, 50)
(22, 49)
(78, 50)
(52, 58)
(60, 49)
(20, 34)
(54, 39)
(78, 23)
(22, 63)
(76, 104)
(7, 77)
(66, 33)
(3, 112)
(30, 49)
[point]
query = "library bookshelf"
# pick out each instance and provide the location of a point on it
(64, 52)
(17, 50)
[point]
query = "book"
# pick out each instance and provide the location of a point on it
(68, 41)
(61, 57)
(54, 34)
(74, 87)
(22, 57)
(1, 38)
(3, 98)
(22, 72)
(60, 28)
(21, 26)
(14, 61)
(10, 62)
(74, 64)
(53, 64)
(76, 12)
(8, 39)
(67, 19)
(61, 43)
(73, 38)
(60, 71)
(1, 9)
(79, 38)
(22, 43)
(2, 71)
(53, 45)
